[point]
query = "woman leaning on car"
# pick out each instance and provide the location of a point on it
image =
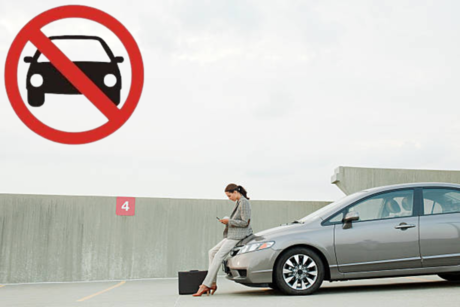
(237, 227)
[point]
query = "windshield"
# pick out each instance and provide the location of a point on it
(79, 50)
(331, 208)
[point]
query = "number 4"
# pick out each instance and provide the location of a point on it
(125, 206)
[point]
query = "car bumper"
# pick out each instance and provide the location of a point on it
(253, 268)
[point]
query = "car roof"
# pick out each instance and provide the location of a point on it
(412, 185)
(340, 204)
(76, 37)
(84, 37)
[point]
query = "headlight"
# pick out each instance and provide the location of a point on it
(255, 247)
(36, 80)
(110, 80)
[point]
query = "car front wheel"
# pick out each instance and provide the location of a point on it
(450, 276)
(35, 98)
(115, 97)
(299, 271)
(274, 286)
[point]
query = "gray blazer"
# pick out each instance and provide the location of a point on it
(238, 226)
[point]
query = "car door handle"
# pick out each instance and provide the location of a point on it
(404, 226)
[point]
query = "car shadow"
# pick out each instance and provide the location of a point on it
(401, 286)
(340, 289)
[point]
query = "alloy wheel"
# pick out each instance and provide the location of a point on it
(300, 272)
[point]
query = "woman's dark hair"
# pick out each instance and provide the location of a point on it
(233, 187)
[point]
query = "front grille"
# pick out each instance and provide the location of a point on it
(243, 273)
(225, 267)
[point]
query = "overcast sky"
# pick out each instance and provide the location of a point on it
(272, 95)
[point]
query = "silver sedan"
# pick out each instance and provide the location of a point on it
(399, 230)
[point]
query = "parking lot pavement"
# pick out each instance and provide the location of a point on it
(408, 291)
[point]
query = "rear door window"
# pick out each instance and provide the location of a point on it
(441, 201)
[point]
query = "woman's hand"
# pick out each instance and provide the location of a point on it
(224, 221)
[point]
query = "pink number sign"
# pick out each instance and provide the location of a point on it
(125, 205)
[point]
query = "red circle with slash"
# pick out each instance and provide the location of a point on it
(32, 32)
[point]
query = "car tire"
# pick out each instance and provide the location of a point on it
(274, 286)
(450, 276)
(115, 97)
(35, 98)
(299, 271)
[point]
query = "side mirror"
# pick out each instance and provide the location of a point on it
(28, 59)
(349, 218)
(119, 59)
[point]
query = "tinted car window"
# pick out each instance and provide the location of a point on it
(439, 201)
(384, 206)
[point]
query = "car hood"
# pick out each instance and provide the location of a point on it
(273, 233)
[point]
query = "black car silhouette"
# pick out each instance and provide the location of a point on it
(43, 78)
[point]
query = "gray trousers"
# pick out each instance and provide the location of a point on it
(217, 254)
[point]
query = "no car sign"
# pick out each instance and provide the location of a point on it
(32, 32)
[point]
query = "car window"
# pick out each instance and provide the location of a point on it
(331, 208)
(336, 219)
(431, 207)
(79, 50)
(384, 206)
(439, 201)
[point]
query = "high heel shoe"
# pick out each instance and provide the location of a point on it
(213, 289)
(203, 289)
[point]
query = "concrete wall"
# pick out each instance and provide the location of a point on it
(77, 238)
(353, 179)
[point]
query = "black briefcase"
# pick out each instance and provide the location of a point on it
(190, 281)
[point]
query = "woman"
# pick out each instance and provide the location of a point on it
(237, 228)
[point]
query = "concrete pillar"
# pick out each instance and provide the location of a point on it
(354, 179)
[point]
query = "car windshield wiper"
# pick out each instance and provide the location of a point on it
(295, 222)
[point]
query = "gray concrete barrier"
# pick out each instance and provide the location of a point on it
(354, 179)
(80, 238)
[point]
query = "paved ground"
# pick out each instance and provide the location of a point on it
(409, 291)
